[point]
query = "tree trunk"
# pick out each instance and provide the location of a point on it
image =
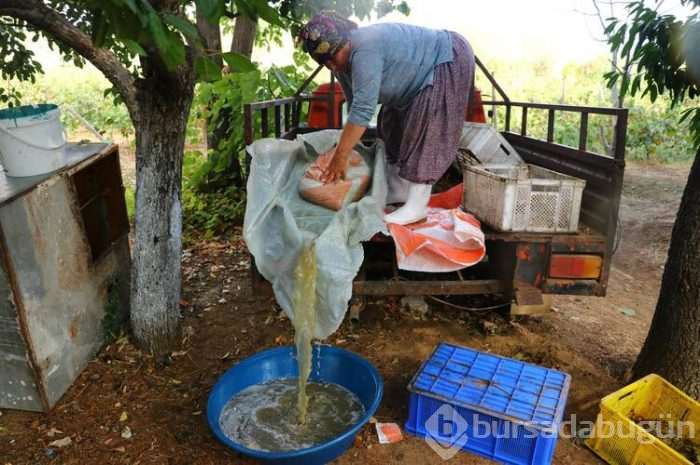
(244, 36)
(672, 349)
(164, 102)
(243, 40)
(211, 36)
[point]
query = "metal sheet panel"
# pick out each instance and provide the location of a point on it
(62, 293)
(17, 386)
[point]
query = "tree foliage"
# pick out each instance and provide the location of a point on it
(663, 56)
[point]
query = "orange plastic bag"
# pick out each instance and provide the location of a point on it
(337, 194)
(448, 240)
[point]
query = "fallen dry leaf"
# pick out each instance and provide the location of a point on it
(185, 304)
(121, 449)
(61, 442)
(52, 432)
(123, 417)
(281, 340)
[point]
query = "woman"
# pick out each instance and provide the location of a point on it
(422, 78)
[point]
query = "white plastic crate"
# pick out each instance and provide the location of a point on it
(485, 145)
(523, 197)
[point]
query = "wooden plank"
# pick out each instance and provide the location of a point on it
(270, 103)
(395, 287)
(560, 107)
(264, 123)
(278, 122)
(583, 134)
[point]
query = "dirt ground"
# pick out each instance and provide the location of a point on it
(224, 321)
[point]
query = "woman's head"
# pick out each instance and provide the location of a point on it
(325, 34)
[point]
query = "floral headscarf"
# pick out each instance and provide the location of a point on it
(327, 32)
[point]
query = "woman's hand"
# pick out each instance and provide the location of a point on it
(334, 166)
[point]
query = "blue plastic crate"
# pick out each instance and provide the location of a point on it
(502, 409)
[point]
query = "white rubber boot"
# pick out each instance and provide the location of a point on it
(416, 206)
(398, 186)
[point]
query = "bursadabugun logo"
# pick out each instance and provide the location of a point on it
(446, 432)
(644, 432)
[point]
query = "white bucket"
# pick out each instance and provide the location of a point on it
(32, 140)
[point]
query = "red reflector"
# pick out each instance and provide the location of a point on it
(575, 266)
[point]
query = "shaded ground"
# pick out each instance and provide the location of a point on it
(163, 404)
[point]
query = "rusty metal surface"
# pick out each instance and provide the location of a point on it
(60, 292)
(18, 389)
(544, 307)
(573, 287)
(395, 287)
(100, 203)
(11, 188)
(531, 265)
(527, 296)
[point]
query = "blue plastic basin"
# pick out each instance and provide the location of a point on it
(336, 366)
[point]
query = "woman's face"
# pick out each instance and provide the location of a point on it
(340, 61)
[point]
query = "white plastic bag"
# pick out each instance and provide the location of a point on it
(278, 220)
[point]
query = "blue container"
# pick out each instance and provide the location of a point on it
(336, 366)
(505, 410)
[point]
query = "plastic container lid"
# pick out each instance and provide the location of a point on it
(493, 385)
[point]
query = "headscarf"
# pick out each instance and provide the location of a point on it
(325, 34)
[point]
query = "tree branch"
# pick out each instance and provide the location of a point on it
(39, 16)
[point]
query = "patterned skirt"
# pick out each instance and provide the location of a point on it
(423, 137)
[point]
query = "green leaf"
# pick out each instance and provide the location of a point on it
(131, 4)
(125, 24)
(246, 8)
(99, 29)
(155, 26)
(636, 83)
(267, 13)
(181, 25)
(134, 47)
(207, 69)
(238, 62)
(171, 48)
(208, 8)
(213, 10)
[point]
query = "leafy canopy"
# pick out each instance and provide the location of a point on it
(662, 56)
(160, 31)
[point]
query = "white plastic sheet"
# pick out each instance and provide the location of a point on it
(278, 221)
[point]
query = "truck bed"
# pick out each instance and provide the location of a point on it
(518, 265)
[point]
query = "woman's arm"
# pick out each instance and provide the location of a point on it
(352, 133)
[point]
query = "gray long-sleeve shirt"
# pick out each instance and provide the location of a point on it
(389, 64)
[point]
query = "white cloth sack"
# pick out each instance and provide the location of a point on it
(277, 221)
